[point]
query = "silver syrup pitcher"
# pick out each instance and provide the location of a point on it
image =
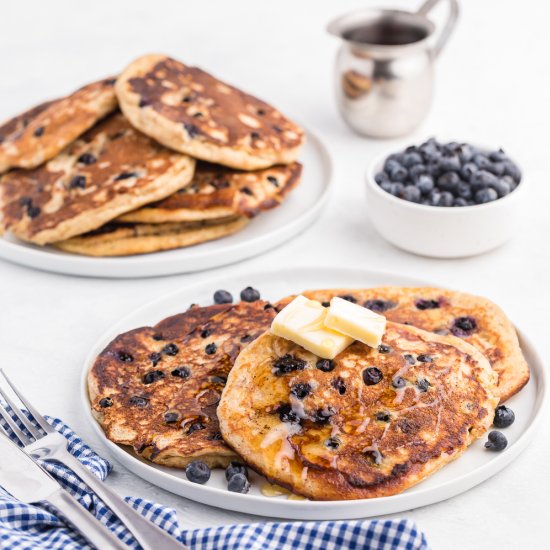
(385, 67)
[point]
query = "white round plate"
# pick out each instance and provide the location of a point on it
(473, 467)
(270, 229)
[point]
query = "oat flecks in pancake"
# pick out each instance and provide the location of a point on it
(477, 320)
(180, 367)
(217, 191)
(191, 111)
(37, 135)
(351, 431)
(109, 170)
(125, 239)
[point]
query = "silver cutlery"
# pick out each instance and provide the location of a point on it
(26, 481)
(48, 444)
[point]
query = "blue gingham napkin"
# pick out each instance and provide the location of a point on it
(29, 527)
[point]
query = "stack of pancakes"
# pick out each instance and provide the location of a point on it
(214, 384)
(164, 156)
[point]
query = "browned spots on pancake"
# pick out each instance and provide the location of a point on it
(211, 110)
(179, 342)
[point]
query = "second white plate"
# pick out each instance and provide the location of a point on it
(475, 466)
(267, 231)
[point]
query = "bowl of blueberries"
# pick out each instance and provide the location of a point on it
(445, 199)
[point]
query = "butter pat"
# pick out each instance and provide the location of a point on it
(302, 322)
(356, 322)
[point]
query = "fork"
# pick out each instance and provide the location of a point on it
(48, 444)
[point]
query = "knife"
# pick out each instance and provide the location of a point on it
(28, 482)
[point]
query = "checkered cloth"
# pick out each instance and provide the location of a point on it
(30, 527)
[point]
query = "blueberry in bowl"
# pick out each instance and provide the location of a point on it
(445, 199)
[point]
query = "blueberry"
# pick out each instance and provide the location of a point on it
(332, 443)
(482, 179)
(322, 416)
(434, 197)
(196, 427)
(87, 158)
(325, 365)
(497, 441)
(170, 349)
(386, 186)
(423, 385)
(448, 181)
(288, 363)
(250, 294)
(502, 187)
(498, 156)
(153, 376)
(429, 148)
(124, 357)
(379, 305)
(398, 173)
(210, 349)
(423, 304)
(464, 326)
(138, 401)
(39, 131)
(496, 168)
(423, 358)
(206, 332)
(181, 372)
(381, 177)
(105, 402)
(466, 152)
(348, 298)
(372, 375)
(339, 385)
(410, 159)
(397, 189)
(301, 390)
(504, 417)
(511, 169)
(155, 358)
(398, 382)
(449, 163)
(126, 175)
(459, 201)
(464, 190)
(382, 348)
(170, 417)
(468, 170)
(286, 414)
(510, 181)
(238, 484)
(197, 472)
(485, 195)
(481, 161)
(416, 171)
(383, 417)
(78, 182)
(425, 183)
(33, 211)
(446, 199)
(222, 297)
(411, 193)
(235, 468)
(390, 164)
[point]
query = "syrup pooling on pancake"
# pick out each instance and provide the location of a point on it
(368, 423)
(162, 384)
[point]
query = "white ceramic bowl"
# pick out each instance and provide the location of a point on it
(443, 232)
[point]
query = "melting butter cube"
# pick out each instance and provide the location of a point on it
(356, 322)
(302, 322)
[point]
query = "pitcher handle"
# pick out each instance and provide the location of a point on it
(449, 25)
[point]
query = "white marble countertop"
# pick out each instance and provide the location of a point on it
(491, 87)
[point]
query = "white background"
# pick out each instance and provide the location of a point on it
(492, 87)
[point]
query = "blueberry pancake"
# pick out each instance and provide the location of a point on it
(126, 238)
(370, 423)
(37, 135)
(217, 191)
(477, 320)
(193, 112)
(157, 388)
(109, 170)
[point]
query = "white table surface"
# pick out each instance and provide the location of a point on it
(492, 86)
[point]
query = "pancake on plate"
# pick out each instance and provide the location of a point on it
(157, 388)
(193, 112)
(217, 191)
(477, 320)
(126, 238)
(37, 135)
(109, 170)
(370, 423)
